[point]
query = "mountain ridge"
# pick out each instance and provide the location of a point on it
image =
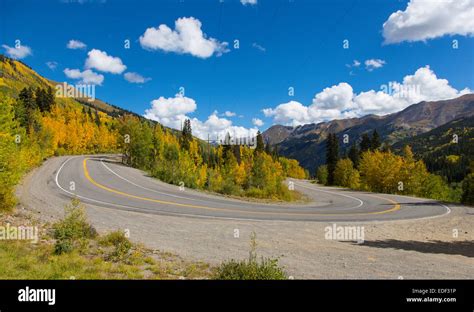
(306, 143)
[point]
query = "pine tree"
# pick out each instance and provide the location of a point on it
(27, 98)
(332, 156)
(268, 149)
(260, 144)
(275, 152)
(186, 135)
(28, 114)
(97, 118)
(354, 155)
(375, 142)
(365, 143)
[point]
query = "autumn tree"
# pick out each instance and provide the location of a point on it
(345, 174)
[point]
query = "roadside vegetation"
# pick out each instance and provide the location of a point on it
(373, 167)
(227, 169)
(35, 125)
(253, 268)
(72, 249)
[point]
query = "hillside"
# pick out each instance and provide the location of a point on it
(37, 123)
(442, 152)
(307, 143)
(16, 75)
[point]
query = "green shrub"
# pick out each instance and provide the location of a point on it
(322, 174)
(121, 244)
(468, 190)
(252, 268)
(74, 230)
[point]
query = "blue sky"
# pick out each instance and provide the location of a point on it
(282, 44)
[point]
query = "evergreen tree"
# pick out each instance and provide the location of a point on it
(354, 155)
(27, 114)
(268, 149)
(275, 152)
(260, 144)
(89, 114)
(332, 156)
(50, 98)
(467, 196)
(186, 135)
(375, 142)
(365, 143)
(97, 118)
(27, 98)
(237, 155)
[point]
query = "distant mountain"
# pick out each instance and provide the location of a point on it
(307, 143)
(446, 150)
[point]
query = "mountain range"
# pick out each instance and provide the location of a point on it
(306, 143)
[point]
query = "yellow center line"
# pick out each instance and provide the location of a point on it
(88, 177)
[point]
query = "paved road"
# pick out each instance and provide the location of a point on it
(103, 181)
(422, 245)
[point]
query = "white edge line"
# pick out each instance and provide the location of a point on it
(234, 219)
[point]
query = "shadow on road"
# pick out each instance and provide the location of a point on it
(463, 248)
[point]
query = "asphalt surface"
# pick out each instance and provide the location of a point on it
(420, 239)
(103, 181)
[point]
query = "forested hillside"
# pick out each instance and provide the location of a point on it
(307, 143)
(371, 166)
(37, 124)
(446, 150)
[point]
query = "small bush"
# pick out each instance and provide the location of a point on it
(251, 269)
(74, 230)
(265, 269)
(121, 244)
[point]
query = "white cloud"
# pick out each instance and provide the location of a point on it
(257, 122)
(52, 65)
(18, 52)
(101, 61)
(170, 107)
(258, 47)
(135, 78)
(187, 37)
(229, 114)
(76, 44)
(249, 2)
(336, 97)
(423, 20)
(355, 63)
(85, 77)
(172, 112)
(291, 113)
(372, 64)
(339, 101)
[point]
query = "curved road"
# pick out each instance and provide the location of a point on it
(103, 181)
(412, 240)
